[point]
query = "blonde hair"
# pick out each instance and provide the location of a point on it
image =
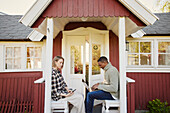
(57, 58)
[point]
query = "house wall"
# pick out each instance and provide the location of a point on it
(57, 45)
(114, 49)
(149, 86)
(18, 85)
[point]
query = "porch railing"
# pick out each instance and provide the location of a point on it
(17, 92)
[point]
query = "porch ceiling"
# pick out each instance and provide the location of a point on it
(110, 22)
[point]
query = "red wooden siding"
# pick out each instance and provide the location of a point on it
(114, 49)
(85, 8)
(18, 87)
(149, 86)
(131, 97)
(39, 95)
(57, 45)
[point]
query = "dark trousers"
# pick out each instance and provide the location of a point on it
(99, 95)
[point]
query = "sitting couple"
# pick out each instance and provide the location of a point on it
(108, 90)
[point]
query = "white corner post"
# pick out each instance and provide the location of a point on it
(122, 65)
(48, 65)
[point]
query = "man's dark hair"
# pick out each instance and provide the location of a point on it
(102, 59)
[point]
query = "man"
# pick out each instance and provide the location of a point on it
(108, 90)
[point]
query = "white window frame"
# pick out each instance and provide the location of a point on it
(141, 66)
(12, 46)
(34, 56)
(161, 66)
(154, 52)
(23, 45)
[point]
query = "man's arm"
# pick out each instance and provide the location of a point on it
(114, 81)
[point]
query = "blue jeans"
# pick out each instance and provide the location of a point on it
(99, 95)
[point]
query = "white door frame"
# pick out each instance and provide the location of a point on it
(83, 31)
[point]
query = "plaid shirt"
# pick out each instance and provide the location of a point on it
(58, 85)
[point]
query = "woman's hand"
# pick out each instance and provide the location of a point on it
(67, 95)
(69, 91)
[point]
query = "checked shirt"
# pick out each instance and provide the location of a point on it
(58, 85)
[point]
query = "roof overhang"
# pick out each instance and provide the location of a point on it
(144, 14)
(34, 12)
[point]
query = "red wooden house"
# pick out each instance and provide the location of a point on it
(81, 31)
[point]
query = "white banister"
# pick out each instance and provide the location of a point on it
(41, 80)
(48, 65)
(129, 80)
(122, 65)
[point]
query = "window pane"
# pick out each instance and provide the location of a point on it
(133, 47)
(30, 63)
(8, 64)
(96, 53)
(17, 51)
(17, 63)
(164, 59)
(37, 63)
(164, 47)
(9, 52)
(145, 47)
(30, 52)
(38, 51)
(145, 59)
(133, 59)
(76, 59)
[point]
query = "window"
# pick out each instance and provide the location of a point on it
(163, 53)
(21, 56)
(34, 57)
(139, 53)
(13, 58)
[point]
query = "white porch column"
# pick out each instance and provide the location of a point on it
(48, 65)
(122, 65)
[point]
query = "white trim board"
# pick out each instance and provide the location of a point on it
(144, 14)
(34, 12)
(165, 70)
(35, 36)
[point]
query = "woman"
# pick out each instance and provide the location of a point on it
(60, 90)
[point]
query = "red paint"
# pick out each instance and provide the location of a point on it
(149, 86)
(39, 94)
(18, 85)
(74, 25)
(114, 49)
(131, 97)
(57, 45)
(86, 8)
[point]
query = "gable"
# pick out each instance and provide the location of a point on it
(85, 8)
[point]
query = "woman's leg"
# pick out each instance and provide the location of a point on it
(77, 100)
(100, 95)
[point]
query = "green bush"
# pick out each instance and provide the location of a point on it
(156, 106)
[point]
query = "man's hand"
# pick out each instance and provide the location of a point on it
(95, 86)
